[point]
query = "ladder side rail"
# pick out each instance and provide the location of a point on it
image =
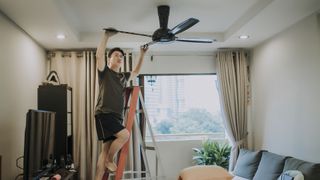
(144, 155)
(141, 123)
(124, 150)
(151, 133)
(130, 140)
(128, 98)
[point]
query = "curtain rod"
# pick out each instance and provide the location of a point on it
(164, 55)
(72, 50)
(232, 49)
(246, 51)
(79, 52)
(81, 49)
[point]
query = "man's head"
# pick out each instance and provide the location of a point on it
(115, 56)
(113, 50)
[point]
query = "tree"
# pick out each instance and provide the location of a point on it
(197, 121)
(164, 127)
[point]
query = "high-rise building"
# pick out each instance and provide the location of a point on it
(165, 99)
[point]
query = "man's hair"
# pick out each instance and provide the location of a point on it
(115, 49)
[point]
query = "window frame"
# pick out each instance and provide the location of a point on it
(170, 137)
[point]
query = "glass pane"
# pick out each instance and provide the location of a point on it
(183, 104)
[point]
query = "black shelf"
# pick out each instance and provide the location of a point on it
(58, 98)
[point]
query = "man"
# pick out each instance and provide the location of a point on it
(110, 102)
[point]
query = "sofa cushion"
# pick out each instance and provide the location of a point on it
(270, 166)
(310, 171)
(247, 163)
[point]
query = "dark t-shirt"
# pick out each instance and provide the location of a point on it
(111, 91)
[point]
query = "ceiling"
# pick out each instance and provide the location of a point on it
(82, 21)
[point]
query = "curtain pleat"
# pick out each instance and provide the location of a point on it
(78, 70)
(233, 90)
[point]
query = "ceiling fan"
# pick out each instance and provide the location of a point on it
(164, 34)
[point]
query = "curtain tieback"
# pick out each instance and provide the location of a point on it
(241, 141)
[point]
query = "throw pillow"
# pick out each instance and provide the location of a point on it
(292, 175)
(270, 166)
(247, 163)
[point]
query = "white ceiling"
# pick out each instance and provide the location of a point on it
(224, 20)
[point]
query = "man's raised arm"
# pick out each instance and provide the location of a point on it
(101, 49)
(136, 70)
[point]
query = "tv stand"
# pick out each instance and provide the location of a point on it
(64, 173)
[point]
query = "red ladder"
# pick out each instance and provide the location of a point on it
(134, 94)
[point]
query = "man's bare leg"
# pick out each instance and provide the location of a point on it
(116, 145)
(101, 160)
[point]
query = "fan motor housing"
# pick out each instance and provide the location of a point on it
(163, 35)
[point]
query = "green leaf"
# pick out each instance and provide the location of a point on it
(212, 153)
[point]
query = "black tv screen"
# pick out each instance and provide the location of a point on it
(39, 143)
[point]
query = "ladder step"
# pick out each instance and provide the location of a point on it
(140, 111)
(137, 111)
(150, 148)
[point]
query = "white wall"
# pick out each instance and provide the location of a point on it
(175, 156)
(285, 74)
(22, 68)
(178, 64)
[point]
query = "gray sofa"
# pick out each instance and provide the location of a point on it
(264, 165)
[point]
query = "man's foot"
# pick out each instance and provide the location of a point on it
(111, 166)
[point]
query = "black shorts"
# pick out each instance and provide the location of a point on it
(107, 125)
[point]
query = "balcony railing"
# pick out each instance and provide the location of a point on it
(188, 137)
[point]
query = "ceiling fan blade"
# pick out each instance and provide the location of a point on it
(163, 13)
(126, 32)
(195, 40)
(184, 25)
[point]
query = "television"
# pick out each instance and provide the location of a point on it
(39, 144)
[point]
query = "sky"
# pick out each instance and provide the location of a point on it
(201, 91)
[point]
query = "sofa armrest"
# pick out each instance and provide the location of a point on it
(309, 170)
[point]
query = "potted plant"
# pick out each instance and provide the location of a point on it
(212, 153)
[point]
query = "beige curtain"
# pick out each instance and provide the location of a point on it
(78, 70)
(233, 89)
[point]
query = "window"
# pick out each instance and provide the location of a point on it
(183, 107)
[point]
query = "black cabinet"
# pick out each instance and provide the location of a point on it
(58, 98)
